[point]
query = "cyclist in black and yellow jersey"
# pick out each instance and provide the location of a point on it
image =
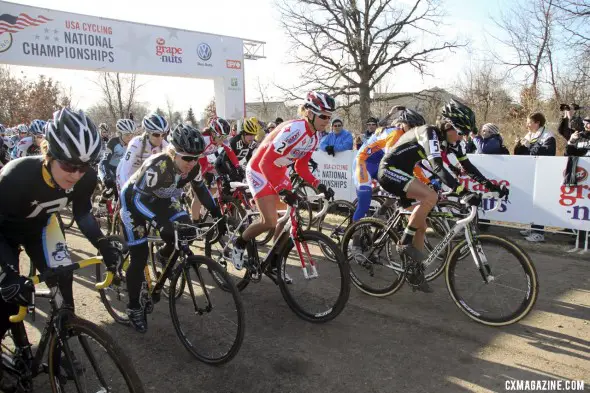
(427, 142)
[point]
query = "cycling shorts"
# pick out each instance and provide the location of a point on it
(395, 181)
(260, 186)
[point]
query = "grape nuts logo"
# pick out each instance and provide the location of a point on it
(204, 51)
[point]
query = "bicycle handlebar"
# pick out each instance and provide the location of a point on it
(473, 212)
(309, 198)
(42, 277)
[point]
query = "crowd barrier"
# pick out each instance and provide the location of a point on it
(537, 193)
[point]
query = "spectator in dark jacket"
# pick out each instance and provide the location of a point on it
(570, 123)
(490, 141)
(537, 142)
(371, 127)
(578, 144)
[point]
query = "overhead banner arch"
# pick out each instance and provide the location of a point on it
(41, 37)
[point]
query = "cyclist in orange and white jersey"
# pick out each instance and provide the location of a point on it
(292, 142)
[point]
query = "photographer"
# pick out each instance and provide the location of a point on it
(570, 123)
(578, 144)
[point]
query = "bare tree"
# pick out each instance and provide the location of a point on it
(174, 117)
(347, 47)
(262, 88)
(529, 27)
(119, 93)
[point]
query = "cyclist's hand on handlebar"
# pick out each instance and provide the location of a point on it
(471, 199)
(15, 288)
(501, 191)
(111, 255)
(327, 191)
(289, 197)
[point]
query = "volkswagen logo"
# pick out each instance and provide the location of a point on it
(204, 51)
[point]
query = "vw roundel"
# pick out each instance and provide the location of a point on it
(204, 51)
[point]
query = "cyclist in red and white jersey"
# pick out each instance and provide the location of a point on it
(292, 142)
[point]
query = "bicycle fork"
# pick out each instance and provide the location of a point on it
(479, 256)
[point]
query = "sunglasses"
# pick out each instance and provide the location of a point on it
(372, 124)
(157, 135)
(188, 158)
(337, 125)
(322, 116)
(69, 168)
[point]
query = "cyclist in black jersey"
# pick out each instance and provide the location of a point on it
(151, 194)
(427, 142)
(31, 190)
(243, 145)
(115, 150)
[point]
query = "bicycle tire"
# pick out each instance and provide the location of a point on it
(528, 267)
(119, 287)
(192, 262)
(98, 335)
(392, 285)
(305, 190)
(344, 291)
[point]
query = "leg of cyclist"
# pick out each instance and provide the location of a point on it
(416, 229)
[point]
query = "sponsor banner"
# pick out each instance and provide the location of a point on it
(559, 205)
(336, 172)
(517, 173)
(42, 37)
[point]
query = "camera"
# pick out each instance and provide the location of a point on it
(567, 107)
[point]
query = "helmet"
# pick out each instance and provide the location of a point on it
(320, 102)
(460, 116)
(155, 123)
(411, 118)
(8, 142)
(103, 127)
(22, 129)
(126, 126)
(219, 126)
(72, 137)
(187, 139)
(251, 126)
(37, 127)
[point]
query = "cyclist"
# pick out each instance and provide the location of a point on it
(152, 141)
(104, 133)
(243, 146)
(115, 150)
(366, 163)
(31, 189)
(6, 146)
(31, 145)
(150, 195)
(427, 142)
(22, 131)
(291, 142)
(215, 137)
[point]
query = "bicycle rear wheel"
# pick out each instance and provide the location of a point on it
(336, 220)
(512, 287)
(87, 359)
(209, 321)
(318, 298)
(375, 266)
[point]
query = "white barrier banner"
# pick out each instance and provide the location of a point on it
(514, 172)
(48, 38)
(336, 172)
(559, 205)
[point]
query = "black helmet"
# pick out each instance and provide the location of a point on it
(72, 137)
(411, 118)
(187, 139)
(460, 115)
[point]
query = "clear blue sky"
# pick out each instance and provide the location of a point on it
(253, 19)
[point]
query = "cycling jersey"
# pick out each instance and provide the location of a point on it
(293, 142)
(26, 147)
(212, 148)
(243, 152)
(415, 145)
(4, 151)
(107, 168)
(28, 196)
(138, 150)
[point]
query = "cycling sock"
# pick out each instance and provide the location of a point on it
(240, 243)
(408, 235)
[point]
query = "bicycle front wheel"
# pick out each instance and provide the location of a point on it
(319, 291)
(510, 289)
(84, 358)
(208, 320)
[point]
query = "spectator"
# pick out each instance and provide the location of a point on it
(490, 141)
(537, 142)
(578, 144)
(278, 121)
(338, 140)
(470, 147)
(270, 127)
(570, 122)
(234, 129)
(371, 127)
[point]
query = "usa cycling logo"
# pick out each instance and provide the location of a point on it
(10, 24)
(204, 51)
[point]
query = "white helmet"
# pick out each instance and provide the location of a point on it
(72, 137)
(126, 126)
(155, 123)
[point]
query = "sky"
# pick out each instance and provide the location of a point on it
(255, 20)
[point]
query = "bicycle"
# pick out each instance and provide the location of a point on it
(489, 275)
(199, 301)
(278, 263)
(68, 339)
